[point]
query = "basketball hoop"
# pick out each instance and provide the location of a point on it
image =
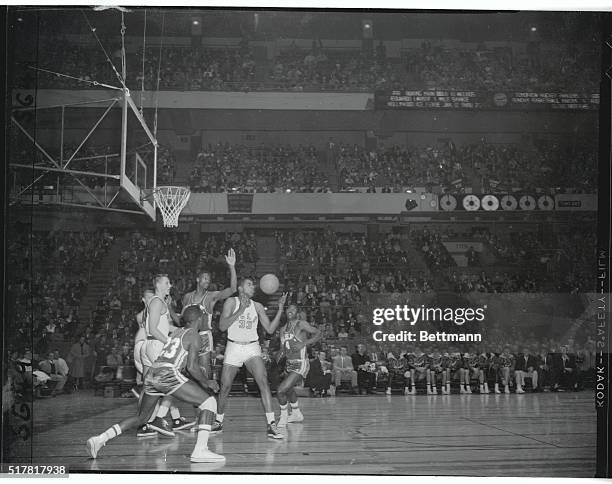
(171, 200)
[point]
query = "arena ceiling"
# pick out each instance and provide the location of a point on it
(275, 24)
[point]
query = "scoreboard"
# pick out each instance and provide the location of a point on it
(454, 99)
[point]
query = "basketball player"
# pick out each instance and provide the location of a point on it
(206, 301)
(445, 363)
(165, 377)
(464, 381)
(158, 328)
(240, 318)
(506, 368)
(420, 365)
(141, 334)
(410, 373)
(139, 341)
(296, 335)
(433, 370)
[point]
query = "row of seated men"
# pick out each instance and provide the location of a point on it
(487, 372)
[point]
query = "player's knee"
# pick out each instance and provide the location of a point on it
(209, 404)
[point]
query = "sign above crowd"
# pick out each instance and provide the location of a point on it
(448, 99)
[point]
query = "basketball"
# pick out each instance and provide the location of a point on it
(269, 284)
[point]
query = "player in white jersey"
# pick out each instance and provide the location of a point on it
(158, 326)
(240, 319)
(139, 342)
(165, 377)
(206, 300)
(141, 334)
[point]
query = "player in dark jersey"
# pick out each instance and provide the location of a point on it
(445, 363)
(506, 368)
(165, 377)
(419, 368)
(434, 369)
(296, 335)
(456, 368)
(410, 373)
(206, 300)
(398, 368)
(486, 362)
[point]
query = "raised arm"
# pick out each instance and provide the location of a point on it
(155, 309)
(270, 327)
(230, 258)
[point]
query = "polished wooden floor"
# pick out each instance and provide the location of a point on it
(546, 434)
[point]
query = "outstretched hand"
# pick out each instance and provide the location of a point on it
(283, 299)
(230, 258)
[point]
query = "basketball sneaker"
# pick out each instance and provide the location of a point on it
(162, 426)
(94, 444)
(217, 427)
(273, 432)
(145, 431)
(296, 416)
(205, 455)
(388, 392)
(181, 423)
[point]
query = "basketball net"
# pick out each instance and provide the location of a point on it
(171, 200)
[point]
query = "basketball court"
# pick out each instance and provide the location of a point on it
(536, 435)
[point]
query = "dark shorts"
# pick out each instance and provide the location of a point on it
(163, 380)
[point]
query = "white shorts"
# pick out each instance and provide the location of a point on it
(137, 355)
(149, 351)
(236, 354)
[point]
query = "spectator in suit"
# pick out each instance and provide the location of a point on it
(525, 367)
(366, 378)
(343, 369)
(320, 374)
(564, 370)
(52, 368)
(545, 368)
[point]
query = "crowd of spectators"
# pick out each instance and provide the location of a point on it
(327, 273)
(397, 167)
(569, 166)
(190, 68)
(48, 273)
(525, 261)
(236, 168)
(537, 67)
(194, 69)
(430, 244)
(320, 69)
(561, 69)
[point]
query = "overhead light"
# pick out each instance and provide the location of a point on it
(534, 29)
(195, 22)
